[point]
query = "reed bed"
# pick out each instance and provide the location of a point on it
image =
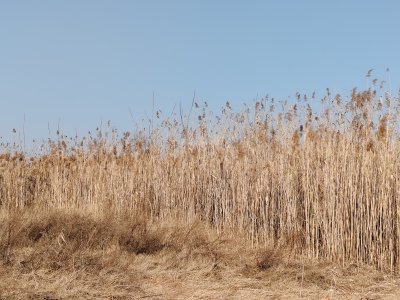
(320, 178)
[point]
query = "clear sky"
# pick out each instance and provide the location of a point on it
(80, 63)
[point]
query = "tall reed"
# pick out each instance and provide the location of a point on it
(324, 184)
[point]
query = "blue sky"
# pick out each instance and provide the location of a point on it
(80, 63)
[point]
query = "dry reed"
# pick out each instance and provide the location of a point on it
(325, 185)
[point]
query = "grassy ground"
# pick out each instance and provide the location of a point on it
(63, 255)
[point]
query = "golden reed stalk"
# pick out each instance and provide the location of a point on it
(324, 185)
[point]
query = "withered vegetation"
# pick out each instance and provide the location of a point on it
(276, 188)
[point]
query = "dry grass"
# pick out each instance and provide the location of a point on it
(188, 207)
(71, 255)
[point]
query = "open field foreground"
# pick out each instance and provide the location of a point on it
(276, 201)
(71, 256)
